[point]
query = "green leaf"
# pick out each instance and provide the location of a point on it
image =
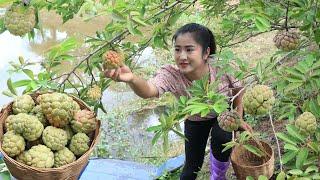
(291, 147)
(262, 177)
(173, 18)
(8, 93)
(262, 23)
(5, 175)
(139, 21)
(317, 36)
(11, 87)
(294, 131)
(156, 137)
(288, 156)
(301, 157)
(286, 138)
(117, 16)
(29, 73)
(154, 128)
(281, 176)
(249, 178)
(295, 172)
(312, 168)
(229, 145)
(293, 86)
(253, 149)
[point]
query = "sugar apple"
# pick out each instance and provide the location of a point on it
(13, 144)
(286, 40)
(258, 100)
(229, 121)
(54, 138)
(23, 104)
(37, 111)
(27, 125)
(306, 123)
(63, 157)
(94, 93)
(79, 144)
(20, 19)
(58, 108)
(84, 121)
(112, 59)
(32, 129)
(38, 156)
(9, 123)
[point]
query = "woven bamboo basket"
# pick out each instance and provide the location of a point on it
(246, 163)
(70, 171)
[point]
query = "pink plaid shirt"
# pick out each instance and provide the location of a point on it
(170, 79)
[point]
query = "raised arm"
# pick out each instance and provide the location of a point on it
(140, 86)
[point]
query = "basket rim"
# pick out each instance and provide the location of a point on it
(64, 167)
(261, 165)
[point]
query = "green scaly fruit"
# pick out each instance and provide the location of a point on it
(39, 156)
(79, 144)
(258, 100)
(13, 144)
(58, 108)
(19, 19)
(306, 123)
(63, 157)
(23, 104)
(54, 138)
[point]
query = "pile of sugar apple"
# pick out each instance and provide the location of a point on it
(51, 131)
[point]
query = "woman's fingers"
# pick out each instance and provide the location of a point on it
(109, 73)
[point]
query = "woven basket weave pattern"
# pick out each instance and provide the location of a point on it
(246, 163)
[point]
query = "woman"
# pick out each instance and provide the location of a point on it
(193, 45)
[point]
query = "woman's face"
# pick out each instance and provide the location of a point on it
(188, 55)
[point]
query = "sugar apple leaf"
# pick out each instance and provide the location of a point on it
(286, 138)
(288, 156)
(291, 147)
(301, 157)
(294, 132)
(295, 172)
(11, 87)
(281, 176)
(253, 149)
(311, 168)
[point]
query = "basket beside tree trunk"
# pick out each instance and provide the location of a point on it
(246, 163)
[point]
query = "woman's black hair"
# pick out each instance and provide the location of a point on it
(201, 34)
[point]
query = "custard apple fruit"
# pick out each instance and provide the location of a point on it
(58, 108)
(79, 144)
(27, 125)
(112, 59)
(306, 123)
(63, 157)
(286, 40)
(54, 138)
(38, 156)
(23, 104)
(20, 19)
(37, 111)
(258, 100)
(9, 123)
(13, 144)
(84, 121)
(229, 121)
(32, 128)
(94, 93)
